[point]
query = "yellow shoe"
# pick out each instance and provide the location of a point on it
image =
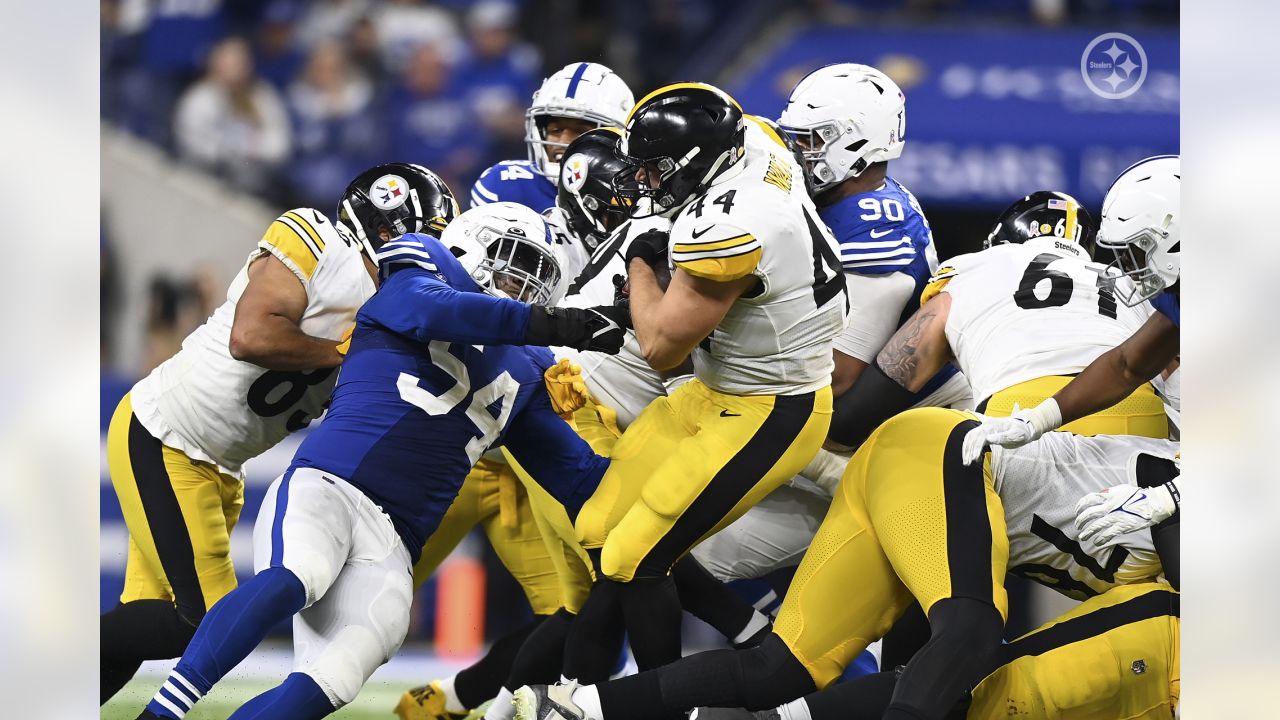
(478, 713)
(425, 703)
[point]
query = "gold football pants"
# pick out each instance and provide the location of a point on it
(180, 513)
(909, 521)
(1115, 655)
(691, 464)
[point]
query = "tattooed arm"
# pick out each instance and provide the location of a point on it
(916, 352)
(919, 349)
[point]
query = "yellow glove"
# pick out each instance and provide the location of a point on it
(566, 387)
(344, 345)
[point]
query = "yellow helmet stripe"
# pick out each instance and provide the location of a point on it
(680, 86)
(1069, 232)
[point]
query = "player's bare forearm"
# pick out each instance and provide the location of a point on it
(662, 348)
(266, 330)
(848, 369)
(919, 349)
(670, 325)
(277, 343)
(1115, 374)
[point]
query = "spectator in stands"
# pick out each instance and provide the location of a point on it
(276, 53)
(432, 123)
(330, 20)
(233, 123)
(499, 73)
(405, 25)
(365, 52)
(335, 134)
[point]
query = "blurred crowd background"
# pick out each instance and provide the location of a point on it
(218, 114)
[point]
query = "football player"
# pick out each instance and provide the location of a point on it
(911, 520)
(260, 367)
(577, 98)
(434, 375)
(1140, 224)
(755, 297)
(1115, 655)
(880, 547)
(848, 121)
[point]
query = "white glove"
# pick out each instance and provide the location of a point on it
(1016, 430)
(1122, 509)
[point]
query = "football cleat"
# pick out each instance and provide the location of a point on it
(547, 702)
(707, 713)
(479, 713)
(425, 703)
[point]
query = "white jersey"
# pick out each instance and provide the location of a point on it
(757, 219)
(624, 382)
(1030, 310)
(1040, 484)
(217, 409)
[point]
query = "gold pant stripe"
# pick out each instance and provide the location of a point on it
(1141, 414)
(180, 513)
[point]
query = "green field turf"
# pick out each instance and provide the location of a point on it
(375, 701)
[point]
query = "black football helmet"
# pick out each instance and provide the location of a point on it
(592, 164)
(400, 197)
(685, 135)
(1046, 212)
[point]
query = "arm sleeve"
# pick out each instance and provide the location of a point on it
(418, 306)
(554, 456)
(875, 307)
(481, 193)
(873, 399)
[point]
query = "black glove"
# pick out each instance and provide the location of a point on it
(598, 329)
(650, 246)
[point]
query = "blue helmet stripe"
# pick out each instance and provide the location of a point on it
(577, 78)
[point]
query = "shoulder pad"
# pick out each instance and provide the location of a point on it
(718, 252)
(298, 238)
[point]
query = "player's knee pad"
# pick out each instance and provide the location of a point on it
(772, 675)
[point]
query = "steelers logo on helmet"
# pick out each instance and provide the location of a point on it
(573, 173)
(389, 192)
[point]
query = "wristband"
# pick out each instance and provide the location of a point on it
(1045, 417)
(1172, 487)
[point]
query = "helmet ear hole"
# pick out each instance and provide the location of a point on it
(457, 251)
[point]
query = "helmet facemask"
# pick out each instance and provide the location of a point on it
(815, 143)
(1133, 260)
(678, 182)
(364, 219)
(516, 266)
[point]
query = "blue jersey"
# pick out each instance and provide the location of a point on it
(1167, 303)
(514, 181)
(431, 381)
(883, 231)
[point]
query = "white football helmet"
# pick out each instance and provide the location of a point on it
(583, 90)
(845, 117)
(1140, 224)
(507, 249)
